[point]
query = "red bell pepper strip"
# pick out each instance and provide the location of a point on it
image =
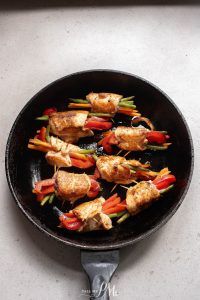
(43, 183)
(47, 190)
(156, 137)
(71, 220)
(98, 125)
(91, 159)
(96, 173)
(107, 141)
(83, 164)
(49, 111)
(40, 197)
(162, 182)
(116, 209)
(69, 215)
(113, 139)
(94, 189)
(123, 202)
(42, 134)
(70, 224)
(111, 203)
(110, 199)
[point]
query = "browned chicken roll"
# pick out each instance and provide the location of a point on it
(60, 153)
(141, 196)
(131, 139)
(70, 186)
(91, 215)
(69, 125)
(104, 102)
(117, 169)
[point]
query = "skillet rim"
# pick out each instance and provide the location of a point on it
(129, 240)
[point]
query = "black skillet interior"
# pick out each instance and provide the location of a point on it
(24, 167)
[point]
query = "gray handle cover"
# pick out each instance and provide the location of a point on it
(100, 267)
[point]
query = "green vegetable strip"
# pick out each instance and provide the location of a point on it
(47, 134)
(139, 168)
(78, 100)
(95, 157)
(45, 200)
(167, 189)
(127, 105)
(123, 218)
(100, 114)
(127, 98)
(127, 102)
(86, 151)
(116, 215)
(164, 132)
(43, 118)
(51, 198)
(155, 148)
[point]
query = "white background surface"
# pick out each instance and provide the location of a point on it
(38, 45)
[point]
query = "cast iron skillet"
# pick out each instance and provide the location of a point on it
(24, 167)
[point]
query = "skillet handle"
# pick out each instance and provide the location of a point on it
(100, 267)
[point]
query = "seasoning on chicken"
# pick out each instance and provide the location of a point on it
(67, 186)
(62, 154)
(106, 103)
(134, 139)
(121, 171)
(70, 186)
(131, 139)
(141, 196)
(69, 125)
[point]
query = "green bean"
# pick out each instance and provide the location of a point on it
(116, 215)
(127, 98)
(123, 218)
(127, 105)
(95, 157)
(51, 198)
(86, 151)
(43, 118)
(155, 148)
(45, 200)
(100, 114)
(167, 189)
(78, 100)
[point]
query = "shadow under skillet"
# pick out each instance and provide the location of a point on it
(11, 5)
